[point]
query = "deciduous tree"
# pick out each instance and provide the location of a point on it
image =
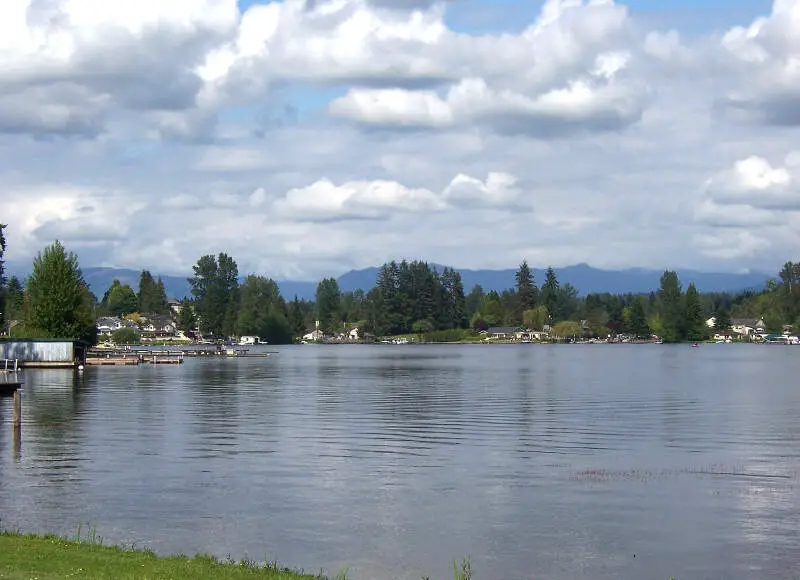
(59, 299)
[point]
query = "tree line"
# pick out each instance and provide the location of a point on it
(407, 297)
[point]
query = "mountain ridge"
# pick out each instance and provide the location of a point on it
(585, 278)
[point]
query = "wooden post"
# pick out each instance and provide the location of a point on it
(17, 410)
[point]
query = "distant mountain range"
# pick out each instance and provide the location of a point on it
(584, 277)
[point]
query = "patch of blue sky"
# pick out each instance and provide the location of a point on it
(290, 102)
(688, 16)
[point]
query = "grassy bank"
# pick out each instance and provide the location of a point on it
(52, 557)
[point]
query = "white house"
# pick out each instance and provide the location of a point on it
(353, 334)
(748, 326)
(315, 334)
(247, 340)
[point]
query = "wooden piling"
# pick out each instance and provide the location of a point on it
(17, 411)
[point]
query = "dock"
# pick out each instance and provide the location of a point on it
(10, 377)
(136, 356)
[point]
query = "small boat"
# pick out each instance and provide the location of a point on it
(695, 345)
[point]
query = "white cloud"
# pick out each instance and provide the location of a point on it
(142, 135)
(766, 58)
(380, 199)
(753, 182)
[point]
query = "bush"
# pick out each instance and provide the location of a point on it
(453, 335)
(126, 336)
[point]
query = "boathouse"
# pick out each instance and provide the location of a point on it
(44, 352)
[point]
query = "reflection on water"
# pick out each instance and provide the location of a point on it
(548, 461)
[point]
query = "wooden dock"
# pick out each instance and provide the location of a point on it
(10, 377)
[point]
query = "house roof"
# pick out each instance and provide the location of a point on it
(751, 322)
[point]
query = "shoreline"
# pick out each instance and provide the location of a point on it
(47, 556)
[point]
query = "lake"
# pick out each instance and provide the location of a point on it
(546, 461)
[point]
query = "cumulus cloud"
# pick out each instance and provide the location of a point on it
(766, 57)
(748, 204)
(75, 53)
(572, 137)
(755, 183)
(579, 106)
(379, 199)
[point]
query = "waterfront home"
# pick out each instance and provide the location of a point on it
(108, 324)
(159, 327)
(248, 340)
(748, 326)
(175, 306)
(315, 334)
(502, 333)
(353, 334)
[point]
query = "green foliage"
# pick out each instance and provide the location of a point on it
(694, 325)
(567, 329)
(451, 335)
(328, 309)
(722, 320)
(14, 300)
(215, 288)
(262, 312)
(492, 309)
(60, 303)
(671, 309)
(527, 291)
(536, 318)
(422, 327)
(636, 319)
(549, 294)
(474, 300)
(152, 295)
(187, 321)
(126, 335)
(409, 292)
(119, 300)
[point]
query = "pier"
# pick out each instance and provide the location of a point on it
(10, 377)
(138, 356)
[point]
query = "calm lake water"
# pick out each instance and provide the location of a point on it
(553, 462)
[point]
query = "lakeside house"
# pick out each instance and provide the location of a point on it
(748, 326)
(106, 325)
(175, 306)
(159, 326)
(315, 334)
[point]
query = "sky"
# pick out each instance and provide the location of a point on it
(309, 137)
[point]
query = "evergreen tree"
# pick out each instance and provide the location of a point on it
(549, 295)
(297, 321)
(152, 296)
(328, 301)
(694, 322)
(474, 300)
(187, 321)
(214, 287)
(670, 298)
(722, 320)
(637, 320)
(59, 299)
(376, 319)
(15, 299)
(492, 311)
(257, 296)
(527, 292)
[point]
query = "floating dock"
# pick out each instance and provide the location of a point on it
(10, 377)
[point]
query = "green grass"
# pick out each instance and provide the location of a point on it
(51, 557)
